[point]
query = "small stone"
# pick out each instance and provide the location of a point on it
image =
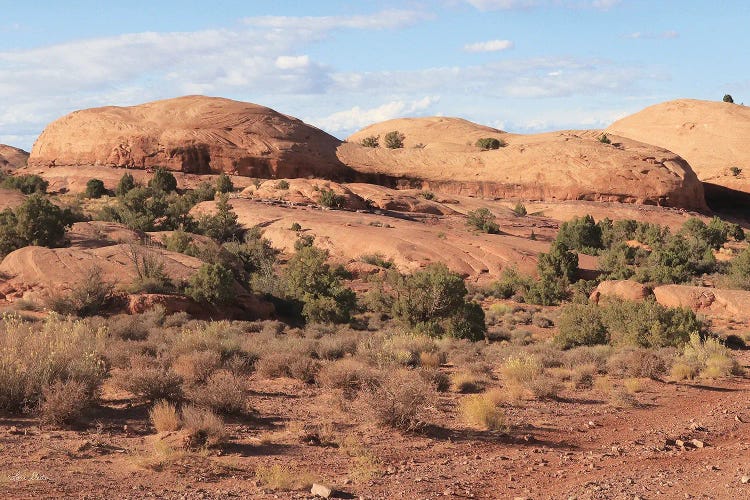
(698, 443)
(679, 442)
(745, 479)
(321, 491)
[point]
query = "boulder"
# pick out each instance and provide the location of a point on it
(730, 304)
(621, 289)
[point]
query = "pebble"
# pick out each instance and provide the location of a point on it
(745, 479)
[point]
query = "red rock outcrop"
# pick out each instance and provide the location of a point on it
(193, 134)
(12, 158)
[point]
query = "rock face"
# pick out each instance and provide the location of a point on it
(439, 154)
(711, 136)
(192, 134)
(621, 289)
(12, 158)
(733, 304)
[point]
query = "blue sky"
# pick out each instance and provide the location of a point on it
(520, 65)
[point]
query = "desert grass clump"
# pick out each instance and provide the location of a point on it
(466, 382)
(482, 411)
(222, 393)
(640, 363)
(283, 478)
(288, 364)
(583, 376)
(400, 400)
(525, 370)
(707, 358)
(336, 346)
(439, 380)
(164, 417)
(127, 327)
(204, 427)
(348, 375)
(150, 379)
(63, 402)
(34, 356)
(197, 367)
(633, 385)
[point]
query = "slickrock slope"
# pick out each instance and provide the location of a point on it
(12, 158)
(711, 136)
(192, 134)
(439, 154)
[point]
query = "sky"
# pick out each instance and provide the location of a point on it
(523, 66)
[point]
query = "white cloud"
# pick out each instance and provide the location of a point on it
(665, 35)
(356, 118)
(387, 19)
(292, 62)
(489, 5)
(489, 46)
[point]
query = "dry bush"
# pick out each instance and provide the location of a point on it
(336, 346)
(385, 350)
(431, 359)
(587, 355)
(282, 478)
(164, 417)
(287, 364)
(640, 362)
(150, 379)
(400, 400)
(466, 382)
(127, 327)
(177, 319)
(439, 380)
(603, 385)
(63, 402)
(483, 412)
(89, 296)
(521, 369)
(365, 464)
(272, 327)
(544, 387)
(34, 356)
(583, 376)
(222, 393)
(348, 375)
(203, 427)
(222, 337)
(621, 398)
(196, 367)
(633, 385)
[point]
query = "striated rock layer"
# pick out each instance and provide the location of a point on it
(439, 154)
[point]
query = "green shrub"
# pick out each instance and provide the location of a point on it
(604, 139)
(163, 181)
(728, 98)
(224, 184)
(282, 184)
(95, 188)
(125, 184)
(309, 279)
(376, 259)
(329, 198)
(483, 220)
(520, 209)
(560, 262)
(582, 234)
(372, 141)
(221, 225)
(27, 184)
(37, 221)
(295, 227)
(738, 272)
(736, 171)
(150, 274)
(394, 140)
(212, 284)
(626, 323)
(427, 195)
(511, 283)
(487, 143)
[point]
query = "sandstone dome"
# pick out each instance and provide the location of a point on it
(711, 136)
(192, 134)
(439, 153)
(12, 158)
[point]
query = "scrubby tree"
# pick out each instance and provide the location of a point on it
(372, 141)
(224, 184)
(487, 143)
(582, 234)
(728, 98)
(394, 140)
(27, 184)
(126, 183)
(222, 225)
(163, 180)
(95, 188)
(329, 198)
(212, 284)
(309, 279)
(482, 219)
(41, 222)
